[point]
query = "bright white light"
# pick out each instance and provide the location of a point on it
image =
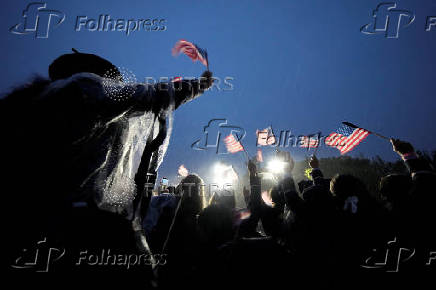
(219, 168)
(223, 175)
(276, 166)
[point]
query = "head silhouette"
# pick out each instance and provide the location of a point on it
(69, 64)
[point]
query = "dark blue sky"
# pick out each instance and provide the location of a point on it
(297, 65)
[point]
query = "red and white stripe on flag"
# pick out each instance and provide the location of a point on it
(176, 79)
(190, 50)
(232, 144)
(265, 137)
(309, 142)
(346, 144)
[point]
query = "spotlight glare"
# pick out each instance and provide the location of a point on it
(276, 166)
(223, 175)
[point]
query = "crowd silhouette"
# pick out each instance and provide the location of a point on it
(321, 231)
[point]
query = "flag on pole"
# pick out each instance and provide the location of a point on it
(309, 142)
(232, 144)
(346, 138)
(265, 137)
(191, 50)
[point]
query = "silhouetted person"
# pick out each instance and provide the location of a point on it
(415, 208)
(78, 138)
(182, 244)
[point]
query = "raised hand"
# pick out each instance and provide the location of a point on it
(401, 147)
(252, 167)
(314, 162)
(206, 80)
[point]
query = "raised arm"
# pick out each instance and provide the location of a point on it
(248, 227)
(191, 89)
(158, 96)
(316, 172)
(414, 164)
(255, 187)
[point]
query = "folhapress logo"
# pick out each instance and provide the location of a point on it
(388, 20)
(215, 134)
(38, 258)
(37, 19)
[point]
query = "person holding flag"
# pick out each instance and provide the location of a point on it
(75, 95)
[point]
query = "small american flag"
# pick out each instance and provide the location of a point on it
(309, 142)
(191, 50)
(176, 79)
(265, 137)
(346, 138)
(232, 144)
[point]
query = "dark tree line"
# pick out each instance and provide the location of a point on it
(370, 171)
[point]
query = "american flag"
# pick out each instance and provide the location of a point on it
(191, 50)
(232, 144)
(176, 79)
(346, 138)
(265, 137)
(309, 142)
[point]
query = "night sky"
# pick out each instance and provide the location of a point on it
(301, 65)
